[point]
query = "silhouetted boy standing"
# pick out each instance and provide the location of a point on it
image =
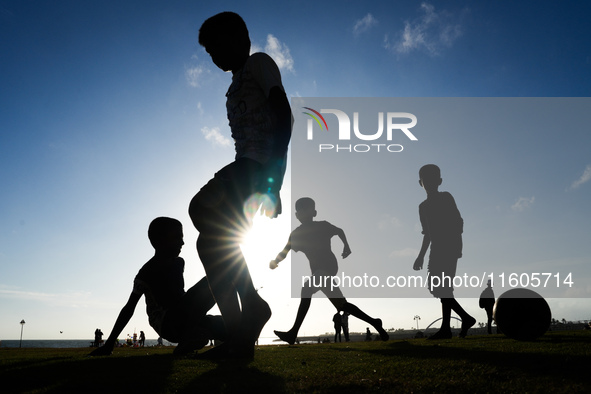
(260, 121)
(313, 238)
(442, 231)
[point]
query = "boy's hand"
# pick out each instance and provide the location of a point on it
(271, 205)
(273, 264)
(346, 251)
(418, 265)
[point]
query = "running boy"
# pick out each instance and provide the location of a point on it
(260, 121)
(442, 231)
(313, 238)
(176, 315)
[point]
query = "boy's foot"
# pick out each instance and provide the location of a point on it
(257, 318)
(441, 334)
(467, 323)
(186, 347)
(286, 336)
(383, 334)
(197, 339)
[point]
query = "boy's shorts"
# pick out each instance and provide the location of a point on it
(220, 204)
(440, 274)
(323, 283)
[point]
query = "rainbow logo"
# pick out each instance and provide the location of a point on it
(316, 118)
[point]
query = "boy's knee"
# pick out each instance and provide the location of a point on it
(204, 205)
(340, 303)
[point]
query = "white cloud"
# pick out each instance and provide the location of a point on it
(194, 75)
(76, 299)
(280, 53)
(214, 136)
(432, 32)
(583, 179)
(522, 203)
(364, 24)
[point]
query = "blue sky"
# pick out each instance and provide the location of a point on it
(111, 114)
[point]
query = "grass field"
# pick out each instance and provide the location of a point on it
(557, 362)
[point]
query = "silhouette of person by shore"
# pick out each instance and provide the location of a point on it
(178, 316)
(338, 325)
(487, 302)
(98, 337)
(442, 233)
(345, 324)
(313, 239)
(142, 340)
(260, 121)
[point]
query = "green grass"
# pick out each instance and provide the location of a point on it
(556, 362)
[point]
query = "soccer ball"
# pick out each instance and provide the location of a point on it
(522, 314)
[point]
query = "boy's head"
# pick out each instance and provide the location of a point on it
(225, 37)
(305, 209)
(430, 177)
(166, 235)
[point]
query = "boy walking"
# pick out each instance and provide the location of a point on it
(442, 231)
(176, 315)
(313, 238)
(260, 122)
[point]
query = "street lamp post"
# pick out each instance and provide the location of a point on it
(417, 318)
(22, 325)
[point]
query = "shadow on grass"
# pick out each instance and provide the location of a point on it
(134, 374)
(235, 377)
(560, 358)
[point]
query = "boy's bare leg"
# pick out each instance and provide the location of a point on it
(358, 313)
(467, 320)
(291, 335)
(215, 262)
(229, 277)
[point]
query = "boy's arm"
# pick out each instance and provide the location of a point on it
(346, 248)
(420, 259)
(277, 163)
(124, 317)
(281, 256)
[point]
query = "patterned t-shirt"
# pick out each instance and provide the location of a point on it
(249, 113)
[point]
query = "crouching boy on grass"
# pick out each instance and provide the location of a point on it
(177, 316)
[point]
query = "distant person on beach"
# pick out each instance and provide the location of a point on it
(260, 121)
(178, 316)
(442, 232)
(313, 238)
(487, 302)
(98, 337)
(345, 325)
(338, 326)
(142, 339)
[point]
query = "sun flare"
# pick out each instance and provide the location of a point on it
(261, 244)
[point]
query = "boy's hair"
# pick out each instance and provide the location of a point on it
(227, 23)
(429, 171)
(159, 228)
(305, 203)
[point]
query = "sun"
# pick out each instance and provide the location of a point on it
(260, 245)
